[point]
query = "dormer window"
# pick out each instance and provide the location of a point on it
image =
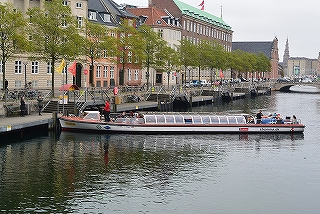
(92, 15)
(106, 17)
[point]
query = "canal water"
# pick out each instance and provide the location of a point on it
(121, 173)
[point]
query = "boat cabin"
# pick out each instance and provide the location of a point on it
(184, 119)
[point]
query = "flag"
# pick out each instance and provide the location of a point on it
(202, 5)
(73, 68)
(221, 74)
(61, 66)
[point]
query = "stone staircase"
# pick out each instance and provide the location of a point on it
(57, 107)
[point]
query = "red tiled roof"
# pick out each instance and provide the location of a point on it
(154, 15)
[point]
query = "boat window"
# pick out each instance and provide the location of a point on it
(206, 119)
(241, 119)
(197, 120)
(232, 120)
(223, 120)
(150, 119)
(178, 118)
(188, 120)
(214, 119)
(169, 118)
(94, 116)
(160, 119)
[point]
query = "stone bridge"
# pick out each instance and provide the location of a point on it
(285, 86)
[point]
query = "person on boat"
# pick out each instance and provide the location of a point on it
(250, 119)
(106, 112)
(131, 114)
(122, 115)
(294, 119)
(259, 116)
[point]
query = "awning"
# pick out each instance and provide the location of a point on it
(68, 87)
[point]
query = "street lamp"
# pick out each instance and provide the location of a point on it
(25, 74)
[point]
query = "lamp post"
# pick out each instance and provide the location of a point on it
(66, 70)
(25, 74)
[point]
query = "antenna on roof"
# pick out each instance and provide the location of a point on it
(221, 11)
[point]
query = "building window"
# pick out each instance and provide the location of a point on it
(130, 57)
(65, 3)
(92, 15)
(105, 54)
(34, 67)
(136, 74)
(111, 72)
(98, 73)
(129, 74)
(98, 83)
(105, 83)
(18, 67)
(78, 4)
(106, 17)
(105, 71)
(34, 83)
(17, 84)
(49, 83)
(80, 21)
(49, 67)
(160, 32)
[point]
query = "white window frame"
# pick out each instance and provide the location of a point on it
(78, 4)
(92, 15)
(98, 71)
(18, 67)
(136, 74)
(129, 74)
(80, 21)
(34, 67)
(111, 72)
(105, 71)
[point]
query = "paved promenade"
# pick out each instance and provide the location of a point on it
(16, 123)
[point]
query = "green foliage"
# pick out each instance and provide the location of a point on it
(96, 41)
(12, 34)
(153, 45)
(54, 33)
(129, 45)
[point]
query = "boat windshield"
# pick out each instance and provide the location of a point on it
(91, 115)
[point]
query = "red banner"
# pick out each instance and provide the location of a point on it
(73, 68)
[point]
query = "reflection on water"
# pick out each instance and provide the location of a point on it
(304, 89)
(123, 173)
(78, 165)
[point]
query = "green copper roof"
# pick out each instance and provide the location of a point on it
(200, 14)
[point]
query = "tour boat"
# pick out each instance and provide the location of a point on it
(187, 123)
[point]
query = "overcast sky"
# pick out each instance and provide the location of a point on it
(261, 20)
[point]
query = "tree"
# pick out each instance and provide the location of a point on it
(203, 56)
(12, 34)
(153, 44)
(167, 60)
(54, 33)
(129, 46)
(186, 52)
(218, 58)
(96, 41)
